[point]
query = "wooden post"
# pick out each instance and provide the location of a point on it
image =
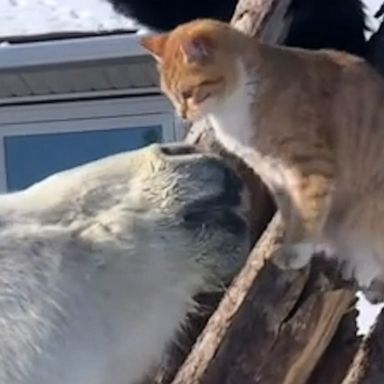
(368, 364)
(270, 328)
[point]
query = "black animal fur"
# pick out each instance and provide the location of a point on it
(338, 24)
(163, 15)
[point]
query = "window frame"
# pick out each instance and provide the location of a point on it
(83, 116)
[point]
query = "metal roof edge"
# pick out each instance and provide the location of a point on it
(73, 50)
(62, 35)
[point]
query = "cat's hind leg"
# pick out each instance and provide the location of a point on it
(360, 241)
(304, 205)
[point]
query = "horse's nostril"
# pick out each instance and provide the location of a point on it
(178, 149)
(232, 180)
(233, 186)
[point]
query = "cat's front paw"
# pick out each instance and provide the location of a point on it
(294, 256)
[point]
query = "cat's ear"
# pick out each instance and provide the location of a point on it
(155, 45)
(197, 49)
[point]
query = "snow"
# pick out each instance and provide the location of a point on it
(367, 314)
(34, 17)
(372, 7)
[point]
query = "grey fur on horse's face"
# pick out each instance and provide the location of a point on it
(99, 264)
(203, 201)
(194, 200)
(210, 205)
(198, 198)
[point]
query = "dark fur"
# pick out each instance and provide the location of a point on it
(163, 15)
(338, 24)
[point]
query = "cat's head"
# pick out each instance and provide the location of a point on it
(198, 65)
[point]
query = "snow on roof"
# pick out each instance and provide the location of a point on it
(40, 17)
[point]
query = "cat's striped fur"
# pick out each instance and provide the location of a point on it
(311, 124)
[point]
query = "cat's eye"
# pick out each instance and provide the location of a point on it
(187, 94)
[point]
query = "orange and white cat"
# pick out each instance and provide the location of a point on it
(311, 124)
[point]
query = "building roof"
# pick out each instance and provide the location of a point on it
(71, 68)
(23, 19)
(63, 49)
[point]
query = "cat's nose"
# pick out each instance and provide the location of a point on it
(183, 115)
(182, 111)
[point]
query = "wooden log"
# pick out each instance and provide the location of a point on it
(323, 318)
(208, 362)
(368, 365)
(272, 327)
(253, 16)
(335, 363)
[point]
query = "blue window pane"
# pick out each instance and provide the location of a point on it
(30, 158)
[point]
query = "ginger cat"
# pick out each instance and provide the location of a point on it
(311, 124)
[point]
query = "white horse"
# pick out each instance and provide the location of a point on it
(99, 264)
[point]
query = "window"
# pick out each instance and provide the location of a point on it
(38, 141)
